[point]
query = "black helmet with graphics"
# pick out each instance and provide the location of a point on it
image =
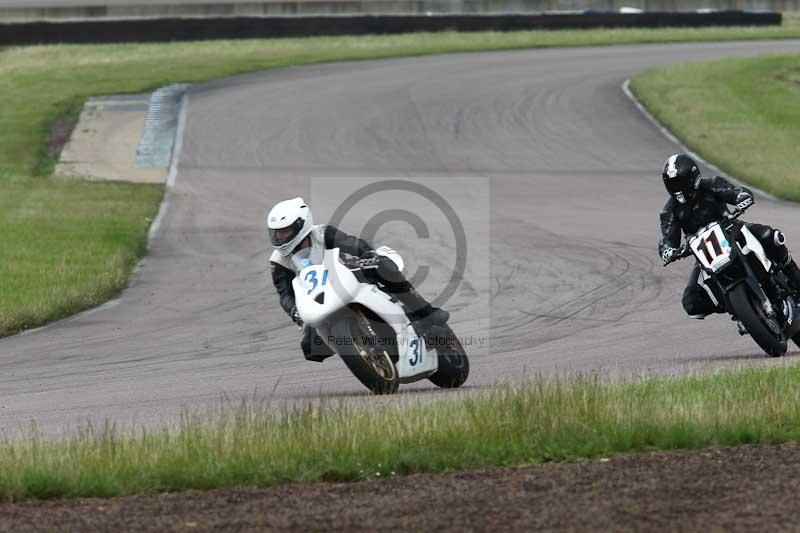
(681, 177)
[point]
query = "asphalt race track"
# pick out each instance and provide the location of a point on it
(566, 273)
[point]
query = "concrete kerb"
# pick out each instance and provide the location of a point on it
(173, 169)
(124, 137)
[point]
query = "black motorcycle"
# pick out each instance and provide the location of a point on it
(740, 278)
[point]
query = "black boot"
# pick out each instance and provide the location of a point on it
(792, 273)
(422, 314)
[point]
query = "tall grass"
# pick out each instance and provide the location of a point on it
(544, 420)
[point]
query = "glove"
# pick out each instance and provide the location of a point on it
(668, 254)
(743, 201)
(296, 317)
(370, 259)
(370, 262)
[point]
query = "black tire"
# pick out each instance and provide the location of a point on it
(371, 364)
(453, 361)
(746, 308)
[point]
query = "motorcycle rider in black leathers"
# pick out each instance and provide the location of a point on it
(696, 202)
(291, 230)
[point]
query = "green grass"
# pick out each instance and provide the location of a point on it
(741, 114)
(67, 244)
(544, 421)
(40, 84)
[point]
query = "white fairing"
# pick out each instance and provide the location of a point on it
(340, 289)
(753, 245)
(701, 280)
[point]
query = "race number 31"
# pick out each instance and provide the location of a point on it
(311, 277)
(416, 351)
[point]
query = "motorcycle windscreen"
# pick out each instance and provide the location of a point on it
(311, 255)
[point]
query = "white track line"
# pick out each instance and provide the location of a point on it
(669, 135)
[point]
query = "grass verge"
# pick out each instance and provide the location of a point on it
(543, 421)
(71, 246)
(68, 244)
(741, 114)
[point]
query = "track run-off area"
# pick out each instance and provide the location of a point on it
(551, 168)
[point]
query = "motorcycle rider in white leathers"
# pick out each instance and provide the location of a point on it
(291, 229)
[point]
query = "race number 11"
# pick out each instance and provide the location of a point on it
(712, 247)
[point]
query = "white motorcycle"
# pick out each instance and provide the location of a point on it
(369, 329)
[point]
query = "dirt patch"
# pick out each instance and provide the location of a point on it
(743, 488)
(791, 77)
(60, 132)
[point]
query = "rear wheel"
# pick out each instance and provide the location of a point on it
(765, 330)
(453, 362)
(369, 360)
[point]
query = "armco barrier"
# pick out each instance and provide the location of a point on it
(152, 30)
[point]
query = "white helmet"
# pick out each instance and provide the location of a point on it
(288, 223)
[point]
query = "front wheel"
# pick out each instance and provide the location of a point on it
(766, 331)
(367, 359)
(453, 362)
